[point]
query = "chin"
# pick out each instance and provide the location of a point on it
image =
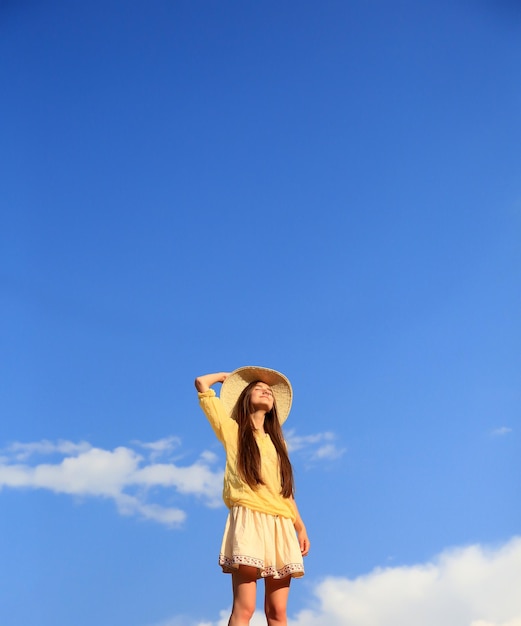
(262, 407)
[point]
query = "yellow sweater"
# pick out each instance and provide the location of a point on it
(265, 498)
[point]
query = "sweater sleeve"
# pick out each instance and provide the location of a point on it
(215, 413)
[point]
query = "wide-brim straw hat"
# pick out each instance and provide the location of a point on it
(238, 380)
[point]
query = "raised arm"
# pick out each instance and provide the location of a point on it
(203, 383)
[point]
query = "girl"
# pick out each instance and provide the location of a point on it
(264, 536)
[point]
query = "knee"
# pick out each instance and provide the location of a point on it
(243, 611)
(275, 614)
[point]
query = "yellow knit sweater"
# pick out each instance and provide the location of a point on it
(265, 498)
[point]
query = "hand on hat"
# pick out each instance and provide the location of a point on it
(203, 383)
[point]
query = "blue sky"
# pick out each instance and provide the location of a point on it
(329, 189)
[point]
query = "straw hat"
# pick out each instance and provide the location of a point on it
(238, 380)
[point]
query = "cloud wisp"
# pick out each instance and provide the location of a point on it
(315, 447)
(501, 432)
(123, 475)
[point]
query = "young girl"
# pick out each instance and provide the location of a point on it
(264, 536)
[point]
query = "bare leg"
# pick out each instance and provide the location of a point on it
(244, 582)
(276, 600)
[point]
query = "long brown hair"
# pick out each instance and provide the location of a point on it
(249, 461)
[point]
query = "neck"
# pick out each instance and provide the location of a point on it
(257, 419)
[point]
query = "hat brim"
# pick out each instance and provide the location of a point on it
(238, 380)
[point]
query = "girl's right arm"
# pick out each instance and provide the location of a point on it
(203, 383)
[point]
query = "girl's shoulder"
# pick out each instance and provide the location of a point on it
(216, 414)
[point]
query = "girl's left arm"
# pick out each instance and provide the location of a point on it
(301, 531)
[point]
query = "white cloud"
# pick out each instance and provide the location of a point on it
(197, 479)
(161, 447)
(258, 619)
(503, 430)
(182, 620)
(511, 622)
(120, 474)
(316, 447)
(22, 451)
(126, 477)
(470, 586)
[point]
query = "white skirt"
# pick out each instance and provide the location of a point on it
(267, 542)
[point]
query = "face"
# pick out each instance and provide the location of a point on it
(261, 397)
